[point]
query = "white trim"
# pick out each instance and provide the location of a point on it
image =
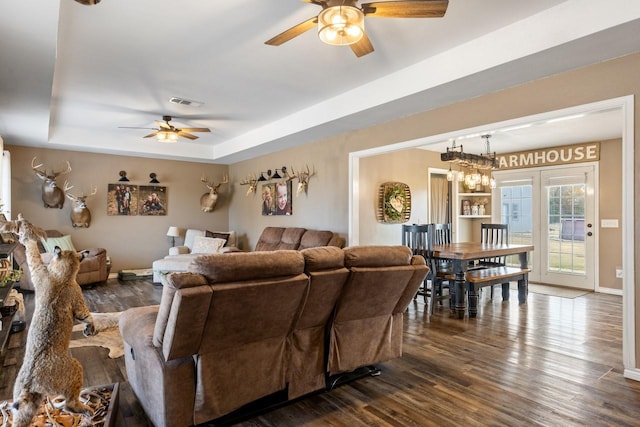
(632, 374)
(610, 291)
(628, 234)
(628, 198)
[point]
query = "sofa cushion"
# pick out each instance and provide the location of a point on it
(322, 258)
(377, 256)
(63, 242)
(314, 238)
(218, 235)
(238, 266)
(207, 245)
(276, 238)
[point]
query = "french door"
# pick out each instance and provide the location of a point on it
(554, 210)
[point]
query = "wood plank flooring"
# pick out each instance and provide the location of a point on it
(551, 362)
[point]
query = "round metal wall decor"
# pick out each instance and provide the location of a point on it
(394, 203)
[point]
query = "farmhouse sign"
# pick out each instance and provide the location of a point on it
(566, 154)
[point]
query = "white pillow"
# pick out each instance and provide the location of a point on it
(207, 245)
(64, 242)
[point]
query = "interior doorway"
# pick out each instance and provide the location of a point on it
(625, 105)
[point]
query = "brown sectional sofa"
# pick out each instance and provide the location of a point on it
(271, 239)
(241, 326)
(93, 268)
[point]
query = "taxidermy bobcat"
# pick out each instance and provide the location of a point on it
(48, 369)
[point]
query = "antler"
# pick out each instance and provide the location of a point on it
(43, 173)
(67, 187)
(211, 185)
(40, 173)
(65, 171)
(291, 176)
(251, 181)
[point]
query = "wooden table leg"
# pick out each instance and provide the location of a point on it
(460, 288)
(473, 300)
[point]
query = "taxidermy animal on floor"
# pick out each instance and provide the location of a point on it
(48, 369)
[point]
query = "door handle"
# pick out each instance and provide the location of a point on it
(589, 234)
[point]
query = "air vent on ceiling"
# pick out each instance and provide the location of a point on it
(183, 101)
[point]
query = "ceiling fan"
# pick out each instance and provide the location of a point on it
(341, 22)
(166, 132)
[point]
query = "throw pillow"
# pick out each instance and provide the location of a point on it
(207, 245)
(218, 235)
(63, 242)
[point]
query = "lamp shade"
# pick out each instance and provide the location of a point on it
(341, 25)
(173, 232)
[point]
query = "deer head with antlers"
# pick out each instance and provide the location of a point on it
(52, 195)
(252, 182)
(303, 180)
(80, 214)
(208, 200)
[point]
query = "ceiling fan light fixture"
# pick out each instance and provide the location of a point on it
(341, 25)
(167, 136)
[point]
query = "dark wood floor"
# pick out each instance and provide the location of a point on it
(552, 362)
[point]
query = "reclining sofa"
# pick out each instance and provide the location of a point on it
(240, 326)
(271, 239)
(93, 267)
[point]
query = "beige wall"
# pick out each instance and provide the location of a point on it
(131, 241)
(326, 207)
(610, 207)
(407, 166)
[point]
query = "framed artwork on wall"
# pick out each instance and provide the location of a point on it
(394, 203)
(277, 198)
(122, 199)
(153, 200)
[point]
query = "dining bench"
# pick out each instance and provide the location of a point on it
(477, 279)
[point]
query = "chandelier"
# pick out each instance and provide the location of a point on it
(475, 165)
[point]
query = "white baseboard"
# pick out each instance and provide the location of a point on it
(610, 291)
(632, 374)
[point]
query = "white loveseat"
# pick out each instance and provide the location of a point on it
(180, 256)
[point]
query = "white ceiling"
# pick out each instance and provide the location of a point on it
(72, 75)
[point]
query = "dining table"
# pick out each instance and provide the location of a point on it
(461, 256)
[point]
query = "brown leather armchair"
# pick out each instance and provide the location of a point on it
(93, 268)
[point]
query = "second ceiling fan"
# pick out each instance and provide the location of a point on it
(341, 22)
(166, 132)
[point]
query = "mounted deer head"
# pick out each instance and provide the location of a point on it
(80, 214)
(208, 200)
(252, 182)
(52, 195)
(303, 180)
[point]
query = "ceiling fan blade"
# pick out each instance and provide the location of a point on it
(406, 9)
(133, 127)
(362, 47)
(187, 135)
(151, 134)
(292, 32)
(195, 130)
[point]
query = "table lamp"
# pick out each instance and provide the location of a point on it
(173, 233)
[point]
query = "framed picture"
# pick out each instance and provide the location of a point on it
(122, 199)
(466, 207)
(394, 203)
(268, 200)
(282, 191)
(152, 200)
(6, 237)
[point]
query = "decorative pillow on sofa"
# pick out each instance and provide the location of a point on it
(64, 242)
(207, 245)
(218, 235)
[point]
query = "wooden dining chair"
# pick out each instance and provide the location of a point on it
(440, 234)
(415, 237)
(494, 234)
